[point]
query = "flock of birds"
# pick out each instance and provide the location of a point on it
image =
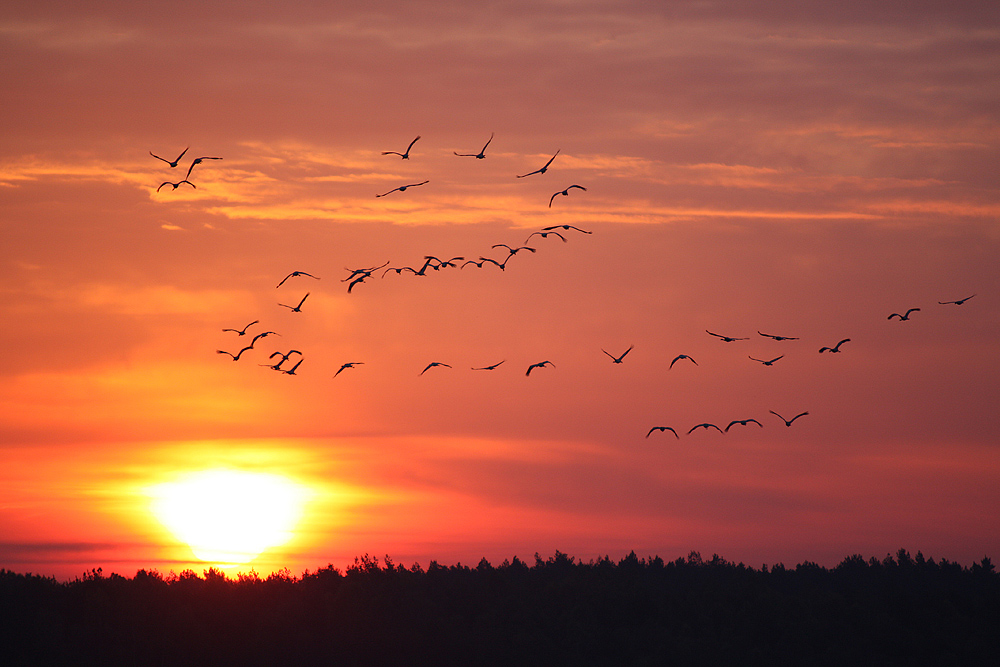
(356, 276)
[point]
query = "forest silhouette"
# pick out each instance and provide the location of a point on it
(900, 610)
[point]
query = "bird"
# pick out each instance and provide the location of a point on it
(243, 331)
(199, 160)
(443, 263)
(513, 251)
(284, 357)
(662, 429)
(172, 163)
(766, 363)
(617, 360)
(904, 316)
(743, 422)
(957, 302)
(406, 155)
(432, 365)
(479, 156)
(236, 357)
(564, 192)
(543, 169)
(540, 364)
(177, 184)
(788, 422)
(565, 227)
(705, 426)
(359, 279)
(399, 270)
(835, 348)
(356, 272)
(291, 371)
(725, 339)
(489, 368)
(545, 235)
(402, 188)
(264, 335)
(679, 357)
(349, 364)
(776, 337)
(484, 260)
(292, 275)
(298, 308)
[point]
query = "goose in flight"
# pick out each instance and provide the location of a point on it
(565, 192)
(705, 426)
(479, 156)
(743, 422)
(565, 227)
(284, 357)
(513, 251)
(236, 357)
(291, 371)
(904, 316)
(543, 169)
(663, 429)
(298, 308)
(957, 302)
(199, 160)
(406, 155)
(264, 335)
(402, 188)
(489, 368)
(679, 357)
(176, 185)
(835, 348)
(617, 360)
(357, 272)
(432, 365)
(292, 275)
(243, 331)
(776, 337)
(545, 235)
(540, 364)
(725, 339)
(484, 260)
(172, 163)
(766, 362)
(788, 422)
(349, 364)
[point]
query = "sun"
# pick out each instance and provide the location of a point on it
(229, 516)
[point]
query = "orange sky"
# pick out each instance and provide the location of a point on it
(801, 170)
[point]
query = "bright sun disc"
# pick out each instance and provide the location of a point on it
(229, 516)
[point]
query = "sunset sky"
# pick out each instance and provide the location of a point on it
(802, 169)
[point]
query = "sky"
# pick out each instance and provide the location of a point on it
(799, 169)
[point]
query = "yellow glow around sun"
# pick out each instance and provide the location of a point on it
(229, 516)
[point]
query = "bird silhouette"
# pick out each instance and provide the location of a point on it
(357, 272)
(432, 365)
(298, 308)
(292, 275)
(489, 368)
(565, 192)
(479, 156)
(705, 426)
(512, 251)
(406, 155)
(176, 185)
(565, 227)
(243, 331)
(776, 337)
(265, 334)
(957, 302)
(284, 357)
(743, 422)
(662, 429)
(402, 188)
(725, 339)
(197, 161)
(349, 364)
(767, 363)
(236, 357)
(488, 260)
(788, 422)
(172, 163)
(679, 357)
(291, 371)
(543, 169)
(545, 235)
(835, 348)
(618, 360)
(540, 364)
(904, 316)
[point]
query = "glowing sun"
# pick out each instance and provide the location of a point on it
(229, 516)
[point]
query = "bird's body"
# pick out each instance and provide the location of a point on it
(705, 426)
(565, 227)
(432, 365)
(545, 235)
(349, 364)
(725, 339)
(776, 337)
(565, 192)
(406, 155)
(298, 308)
(511, 251)
(172, 163)
(679, 357)
(662, 429)
(769, 362)
(620, 358)
(743, 422)
(293, 274)
(197, 161)
(236, 357)
(243, 331)
(479, 156)
(788, 422)
(264, 334)
(957, 302)
(835, 348)
(176, 185)
(540, 364)
(904, 316)
(489, 368)
(291, 371)
(402, 188)
(543, 169)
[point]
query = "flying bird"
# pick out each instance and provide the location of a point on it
(617, 360)
(433, 364)
(725, 339)
(264, 335)
(172, 163)
(679, 357)
(489, 368)
(357, 272)
(243, 331)
(512, 251)
(776, 337)
(565, 227)
(292, 275)
(958, 302)
(349, 364)
(705, 426)
(743, 422)
(788, 422)
(565, 192)
(835, 348)
(406, 155)
(545, 235)
(479, 156)
(298, 308)
(236, 357)
(199, 160)
(402, 188)
(291, 371)
(540, 364)
(904, 316)
(543, 169)
(490, 260)
(177, 184)
(662, 429)
(284, 357)
(766, 363)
